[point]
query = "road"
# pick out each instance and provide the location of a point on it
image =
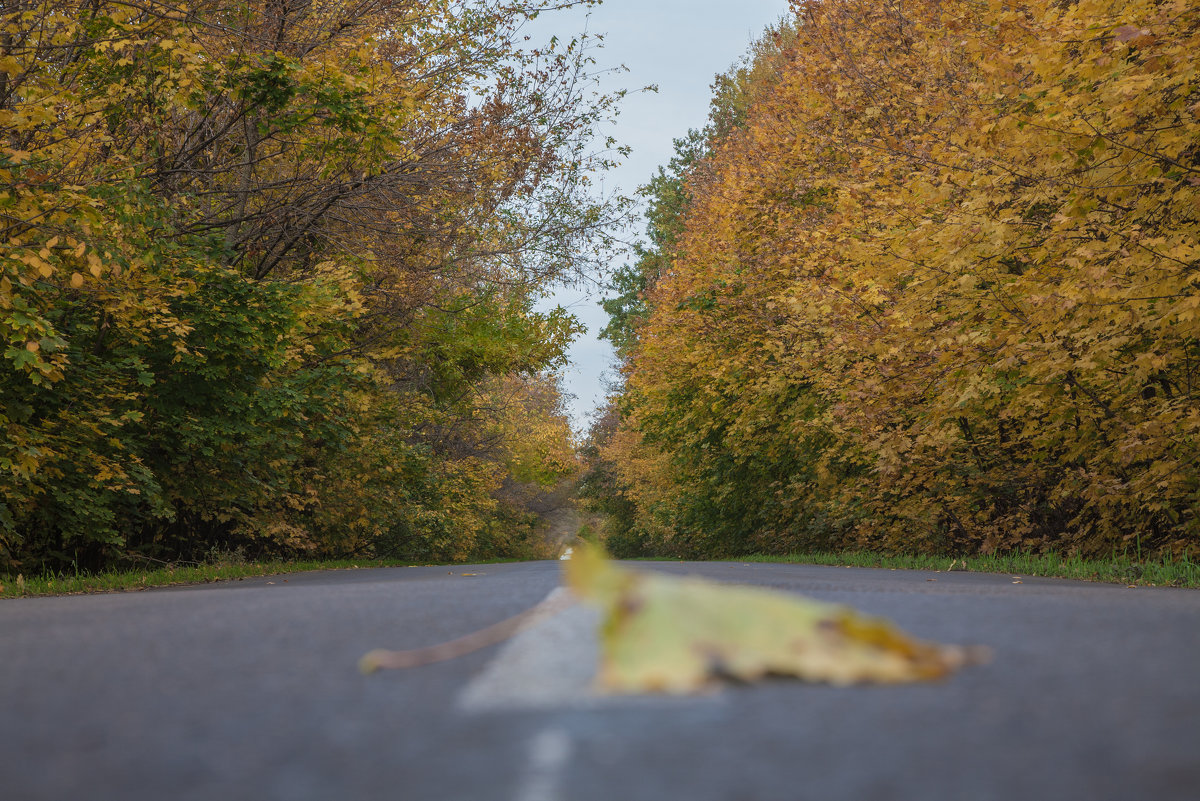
(248, 690)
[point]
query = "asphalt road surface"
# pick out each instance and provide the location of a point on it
(249, 690)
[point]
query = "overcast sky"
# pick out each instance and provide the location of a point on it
(679, 45)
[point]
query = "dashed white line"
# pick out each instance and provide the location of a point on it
(548, 754)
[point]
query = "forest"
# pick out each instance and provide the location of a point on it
(927, 282)
(270, 272)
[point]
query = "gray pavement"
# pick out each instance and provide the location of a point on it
(248, 690)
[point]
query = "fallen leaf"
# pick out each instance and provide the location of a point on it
(679, 635)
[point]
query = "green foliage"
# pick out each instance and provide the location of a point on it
(602, 491)
(666, 199)
(265, 272)
(186, 405)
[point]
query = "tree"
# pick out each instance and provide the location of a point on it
(939, 289)
(261, 258)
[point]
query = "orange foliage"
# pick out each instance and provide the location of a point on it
(940, 291)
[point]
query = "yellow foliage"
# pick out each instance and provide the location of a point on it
(969, 234)
(225, 229)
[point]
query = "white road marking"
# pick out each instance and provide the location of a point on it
(549, 752)
(552, 665)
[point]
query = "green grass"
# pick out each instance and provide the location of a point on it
(128, 580)
(1118, 570)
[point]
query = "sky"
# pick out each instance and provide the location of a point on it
(680, 46)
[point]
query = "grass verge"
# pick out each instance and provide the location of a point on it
(128, 580)
(1119, 570)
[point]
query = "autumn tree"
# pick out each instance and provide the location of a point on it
(938, 293)
(259, 258)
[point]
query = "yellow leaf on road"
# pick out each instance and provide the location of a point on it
(679, 635)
